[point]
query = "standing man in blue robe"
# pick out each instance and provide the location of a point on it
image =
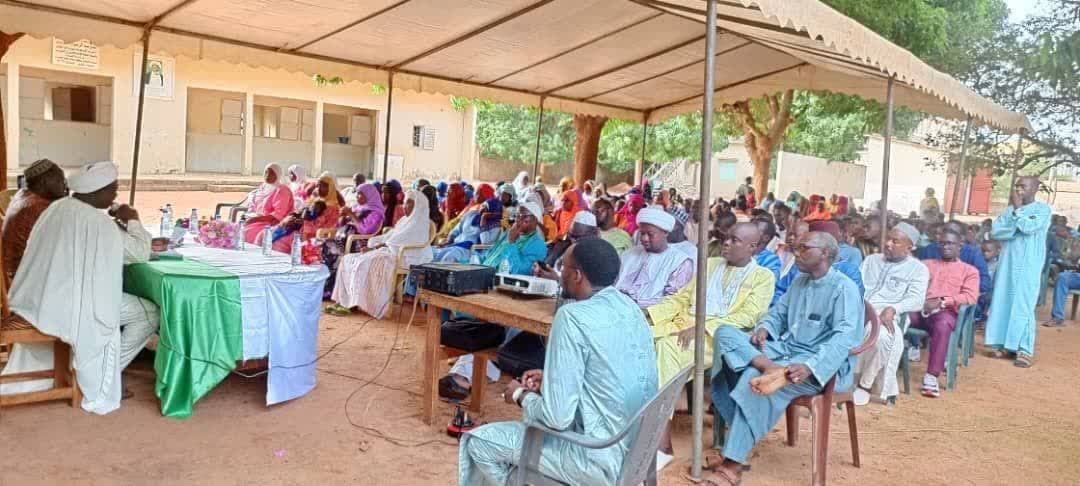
(801, 344)
(600, 369)
(1022, 229)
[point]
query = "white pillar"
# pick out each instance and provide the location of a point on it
(249, 133)
(11, 116)
(470, 162)
(317, 139)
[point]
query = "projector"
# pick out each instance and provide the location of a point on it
(526, 285)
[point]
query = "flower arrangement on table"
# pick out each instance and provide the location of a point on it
(217, 234)
(311, 252)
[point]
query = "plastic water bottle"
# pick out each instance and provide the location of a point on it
(504, 267)
(193, 222)
(268, 241)
(295, 252)
(169, 215)
(239, 243)
(163, 229)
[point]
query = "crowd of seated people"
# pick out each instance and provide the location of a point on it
(786, 283)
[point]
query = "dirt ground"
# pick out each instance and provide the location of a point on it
(360, 425)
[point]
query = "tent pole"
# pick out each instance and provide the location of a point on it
(885, 161)
(959, 170)
(139, 116)
(644, 139)
(386, 140)
(539, 132)
(702, 262)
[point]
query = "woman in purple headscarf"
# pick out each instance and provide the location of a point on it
(364, 218)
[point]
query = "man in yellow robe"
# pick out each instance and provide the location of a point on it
(739, 292)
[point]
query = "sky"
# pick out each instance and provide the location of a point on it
(1019, 9)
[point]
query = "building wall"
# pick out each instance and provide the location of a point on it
(908, 174)
(803, 173)
(165, 139)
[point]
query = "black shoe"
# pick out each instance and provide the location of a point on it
(451, 390)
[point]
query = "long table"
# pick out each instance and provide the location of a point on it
(534, 315)
(222, 306)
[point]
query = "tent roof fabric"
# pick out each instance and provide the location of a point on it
(631, 59)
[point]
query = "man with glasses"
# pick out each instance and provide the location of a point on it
(801, 343)
(895, 285)
(739, 291)
(845, 268)
(952, 283)
(609, 232)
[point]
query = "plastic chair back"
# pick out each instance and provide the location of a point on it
(639, 464)
(644, 429)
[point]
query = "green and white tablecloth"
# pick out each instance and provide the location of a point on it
(220, 306)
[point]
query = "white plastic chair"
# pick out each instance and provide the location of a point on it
(640, 461)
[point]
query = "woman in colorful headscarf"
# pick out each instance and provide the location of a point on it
(363, 218)
(365, 280)
(480, 224)
(456, 201)
(572, 202)
(320, 211)
(299, 183)
(820, 213)
(391, 199)
(442, 187)
(626, 218)
(483, 193)
(548, 226)
(663, 199)
(508, 197)
(270, 204)
(521, 186)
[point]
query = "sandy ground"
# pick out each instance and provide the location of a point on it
(1002, 425)
(360, 425)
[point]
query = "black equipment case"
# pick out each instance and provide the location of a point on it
(455, 278)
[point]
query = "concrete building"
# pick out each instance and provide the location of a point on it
(208, 116)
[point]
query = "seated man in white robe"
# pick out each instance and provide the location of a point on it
(895, 284)
(653, 269)
(69, 285)
(600, 369)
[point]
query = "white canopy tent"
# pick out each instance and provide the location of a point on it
(644, 60)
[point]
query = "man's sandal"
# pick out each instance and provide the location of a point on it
(1023, 361)
(719, 478)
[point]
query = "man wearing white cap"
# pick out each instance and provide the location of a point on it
(653, 270)
(895, 284)
(69, 285)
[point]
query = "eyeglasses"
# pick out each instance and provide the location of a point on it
(803, 248)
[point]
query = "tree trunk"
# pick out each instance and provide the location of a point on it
(761, 157)
(760, 136)
(6, 40)
(587, 128)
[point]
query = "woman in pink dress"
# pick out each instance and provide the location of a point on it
(320, 211)
(271, 203)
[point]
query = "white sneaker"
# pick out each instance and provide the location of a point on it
(914, 355)
(930, 386)
(860, 396)
(662, 460)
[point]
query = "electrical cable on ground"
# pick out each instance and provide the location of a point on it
(372, 430)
